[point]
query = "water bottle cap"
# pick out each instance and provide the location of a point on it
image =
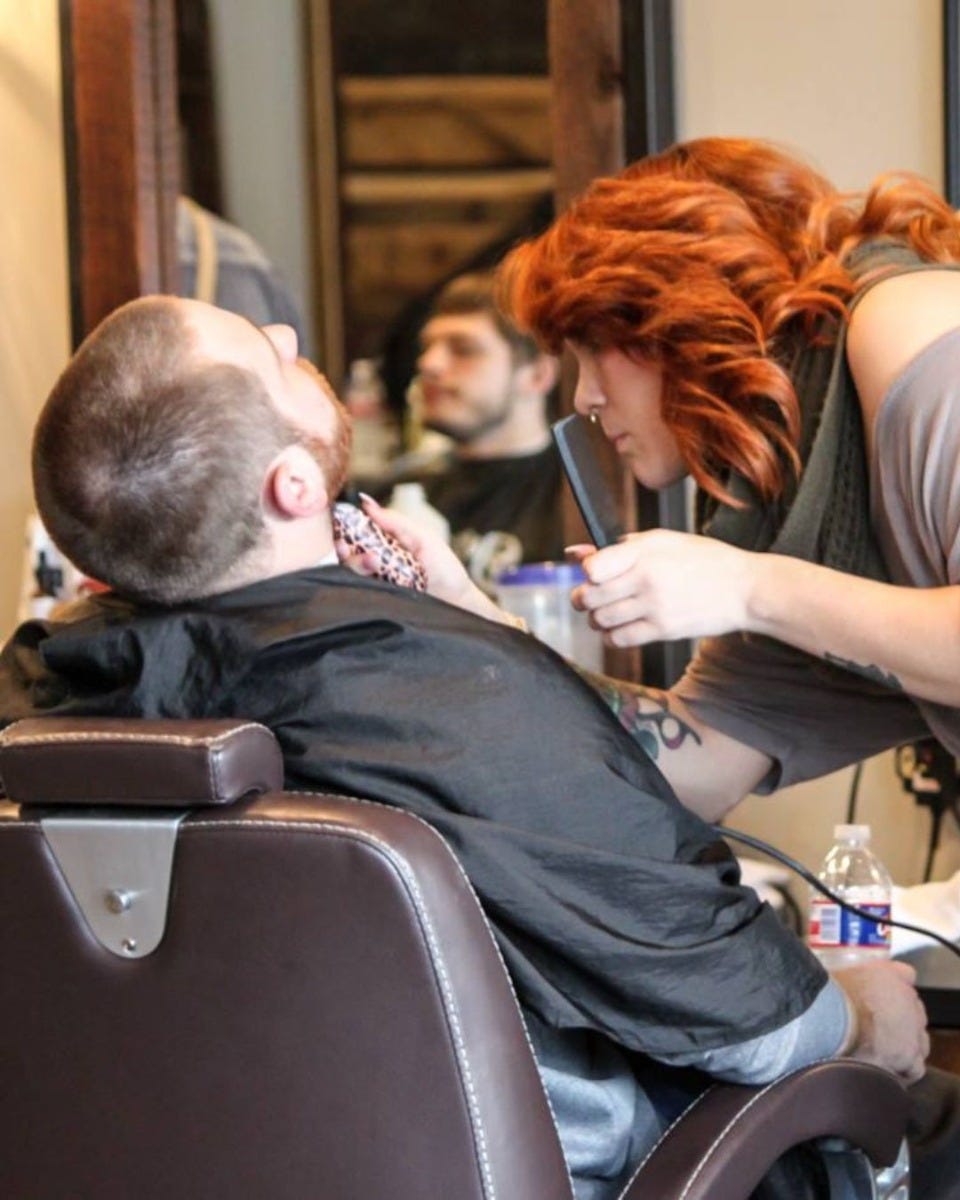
(408, 493)
(562, 574)
(852, 833)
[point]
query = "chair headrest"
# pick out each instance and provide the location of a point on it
(139, 763)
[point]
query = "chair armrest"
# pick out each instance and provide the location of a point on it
(724, 1144)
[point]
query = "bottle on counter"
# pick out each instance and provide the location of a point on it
(375, 434)
(410, 499)
(852, 871)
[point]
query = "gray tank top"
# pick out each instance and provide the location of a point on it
(915, 486)
(824, 519)
(896, 519)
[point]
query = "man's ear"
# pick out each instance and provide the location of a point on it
(294, 484)
(542, 374)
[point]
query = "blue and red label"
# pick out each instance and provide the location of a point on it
(831, 926)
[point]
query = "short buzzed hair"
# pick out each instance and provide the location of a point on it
(148, 461)
(475, 292)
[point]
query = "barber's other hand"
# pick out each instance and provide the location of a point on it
(662, 585)
(447, 577)
(891, 1020)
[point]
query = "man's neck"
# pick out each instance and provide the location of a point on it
(521, 435)
(289, 546)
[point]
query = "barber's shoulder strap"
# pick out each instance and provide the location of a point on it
(873, 262)
(205, 287)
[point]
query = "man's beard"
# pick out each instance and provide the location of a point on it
(463, 435)
(332, 456)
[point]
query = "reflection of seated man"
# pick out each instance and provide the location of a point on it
(487, 387)
(222, 264)
(189, 459)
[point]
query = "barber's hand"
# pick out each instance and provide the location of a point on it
(447, 577)
(662, 585)
(892, 1022)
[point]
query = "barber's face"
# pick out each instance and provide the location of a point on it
(626, 394)
(467, 375)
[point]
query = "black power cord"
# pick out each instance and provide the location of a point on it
(854, 792)
(723, 832)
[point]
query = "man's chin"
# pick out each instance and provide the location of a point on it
(456, 433)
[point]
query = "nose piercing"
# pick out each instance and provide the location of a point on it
(593, 416)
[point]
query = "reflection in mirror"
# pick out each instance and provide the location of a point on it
(444, 161)
(439, 144)
(436, 168)
(426, 153)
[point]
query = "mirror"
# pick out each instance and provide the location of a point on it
(391, 155)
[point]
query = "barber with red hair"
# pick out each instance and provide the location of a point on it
(797, 352)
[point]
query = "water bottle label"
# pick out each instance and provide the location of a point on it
(831, 925)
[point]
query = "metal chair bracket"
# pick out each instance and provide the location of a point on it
(118, 870)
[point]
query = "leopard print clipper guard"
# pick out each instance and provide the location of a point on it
(363, 536)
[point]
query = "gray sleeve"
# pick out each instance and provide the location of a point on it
(809, 717)
(816, 1034)
(915, 503)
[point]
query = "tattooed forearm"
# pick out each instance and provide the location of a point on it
(644, 713)
(872, 672)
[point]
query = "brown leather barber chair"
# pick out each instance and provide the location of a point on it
(210, 988)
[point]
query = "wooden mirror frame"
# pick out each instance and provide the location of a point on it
(121, 153)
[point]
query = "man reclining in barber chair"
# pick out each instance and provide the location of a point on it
(190, 460)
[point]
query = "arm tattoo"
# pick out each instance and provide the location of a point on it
(644, 713)
(872, 672)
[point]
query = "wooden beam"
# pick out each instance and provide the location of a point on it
(584, 46)
(372, 188)
(327, 241)
(120, 133)
(586, 69)
(471, 121)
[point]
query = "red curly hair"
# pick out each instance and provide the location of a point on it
(711, 260)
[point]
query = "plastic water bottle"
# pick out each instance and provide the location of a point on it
(375, 435)
(853, 872)
(410, 499)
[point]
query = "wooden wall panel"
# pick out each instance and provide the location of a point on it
(584, 45)
(444, 120)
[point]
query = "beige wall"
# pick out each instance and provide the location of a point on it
(856, 86)
(34, 331)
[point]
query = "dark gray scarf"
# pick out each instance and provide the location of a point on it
(825, 518)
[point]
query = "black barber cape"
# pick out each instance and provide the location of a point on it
(615, 908)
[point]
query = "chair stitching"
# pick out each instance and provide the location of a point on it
(666, 1133)
(737, 1117)
(719, 1138)
(400, 864)
(151, 738)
